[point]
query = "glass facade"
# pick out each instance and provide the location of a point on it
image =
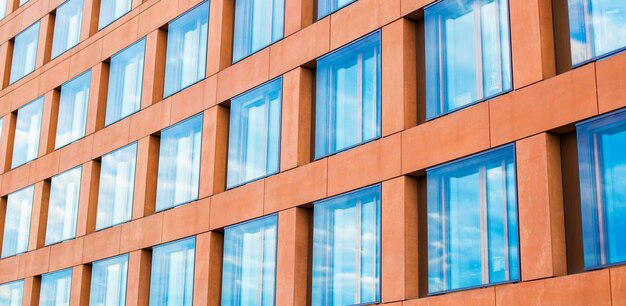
(67, 24)
(473, 238)
(347, 108)
(346, 249)
(254, 135)
(597, 28)
(108, 281)
(125, 82)
(326, 7)
(73, 105)
(468, 53)
(117, 186)
(602, 166)
(24, 53)
(63, 206)
(171, 279)
(11, 294)
(249, 270)
(258, 23)
(27, 132)
(17, 222)
(187, 37)
(111, 10)
(55, 288)
(179, 163)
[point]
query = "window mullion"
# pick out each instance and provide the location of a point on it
(599, 201)
(484, 230)
(478, 55)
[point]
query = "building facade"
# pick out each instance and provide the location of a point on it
(312, 152)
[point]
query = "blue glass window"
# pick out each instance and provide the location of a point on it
(249, 276)
(185, 62)
(171, 280)
(179, 163)
(17, 222)
(111, 10)
(63, 206)
(24, 53)
(27, 132)
(117, 186)
(468, 53)
(346, 249)
(108, 281)
(258, 23)
(254, 136)
(67, 24)
(73, 105)
(602, 166)
(597, 28)
(55, 288)
(326, 7)
(125, 82)
(348, 96)
(3, 9)
(472, 222)
(11, 294)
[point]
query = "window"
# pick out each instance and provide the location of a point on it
(185, 62)
(3, 9)
(171, 279)
(179, 163)
(326, 7)
(108, 281)
(111, 10)
(24, 53)
(125, 82)
(258, 23)
(468, 53)
(250, 263)
(117, 186)
(22, 2)
(73, 110)
(472, 222)
(348, 96)
(67, 24)
(254, 144)
(55, 288)
(63, 206)
(17, 222)
(27, 130)
(346, 249)
(602, 166)
(11, 294)
(597, 28)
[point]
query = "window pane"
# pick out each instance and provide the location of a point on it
(73, 105)
(179, 163)
(348, 96)
(250, 263)
(63, 206)
(67, 24)
(27, 130)
(601, 145)
(171, 279)
(125, 82)
(468, 55)
(111, 10)
(186, 49)
(597, 27)
(3, 9)
(17, 222)
(254, 143)
(24, 53)
(55, 288)
(346, 249)
(22, 2)
(472, 222)
(108, 282)
(326, 7)
(11, 294)
(258, 23)
(117, 185)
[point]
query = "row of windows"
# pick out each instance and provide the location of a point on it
(472, 234)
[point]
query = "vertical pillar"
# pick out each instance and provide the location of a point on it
(6, 54)
(49, 122)
(97, 98)
(293, 256)
(6, 141)
(39, 217)
(221, 22)
(298, 15)
(31, 291)
(44, 45)
(88, 199)
(214, 151)
(146, 176)
(296, 125)
(81, 283)
(154, 68)
(208, 269)
(138, 284)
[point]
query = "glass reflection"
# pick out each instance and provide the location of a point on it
(73, 105)
(17, 222)
(108, 281)
(27, 132)
(111, 10)
(125, 82)
(11, 294)
(24, 53)
(55, 288)
(327, 7)
(258, 23)
(67, 26)
(171, 279)
(63, 206)
(117, 185)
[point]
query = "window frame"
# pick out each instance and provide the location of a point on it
(27, 160)
(331, 11)
(86, 110)
(37, 25)
(76, 207)
(103, 26)
(182, 242)
(246, 54)
(113, 260)
(54, 30)
(55, 277)
(13, 285)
